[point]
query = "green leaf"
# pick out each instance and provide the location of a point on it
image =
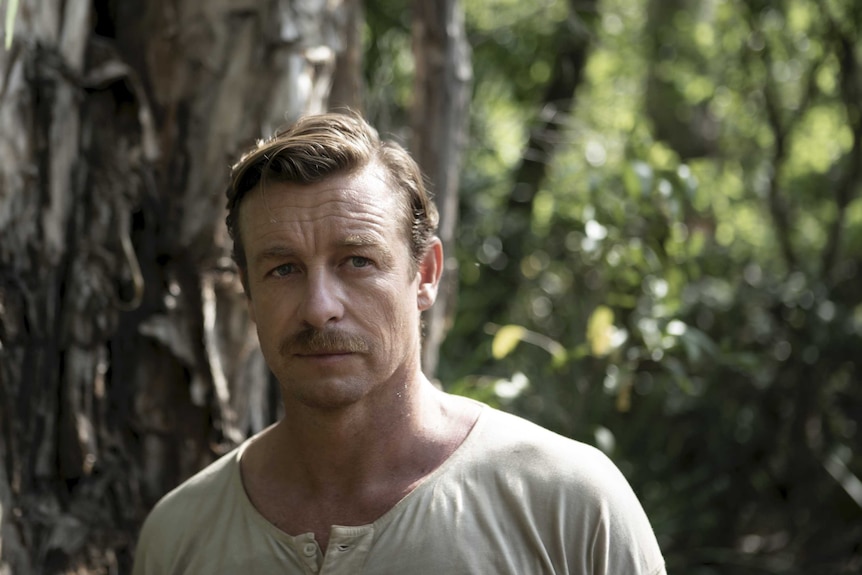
(600, 329)
(11, 11)
(505, 340)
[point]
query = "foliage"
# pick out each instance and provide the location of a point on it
(9, 28)
(688, 297)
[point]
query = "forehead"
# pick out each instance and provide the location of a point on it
(357, 202)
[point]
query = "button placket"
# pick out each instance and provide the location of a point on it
(348, 549)
(309, 552)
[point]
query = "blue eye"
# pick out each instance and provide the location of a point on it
(283, 270)
(360, 262)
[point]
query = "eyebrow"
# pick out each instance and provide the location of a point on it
(362, 240)
(349, 241)
(367, 241)
(276, 252)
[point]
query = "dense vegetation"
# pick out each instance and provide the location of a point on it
(661, 254)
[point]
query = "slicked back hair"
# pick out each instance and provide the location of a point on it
(320, 146)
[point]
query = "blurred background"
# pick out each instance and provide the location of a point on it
(652, 211)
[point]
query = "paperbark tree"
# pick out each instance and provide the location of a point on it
(440, 117)
(127, 360)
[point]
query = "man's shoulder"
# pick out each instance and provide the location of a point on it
(217, 476)
(519, 450)
(186, 517)
(196, 498)
(520, 437)
(563, 496)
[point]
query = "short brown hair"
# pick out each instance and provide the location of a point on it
(324, 145)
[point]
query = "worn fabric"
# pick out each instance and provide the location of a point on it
(514, 499)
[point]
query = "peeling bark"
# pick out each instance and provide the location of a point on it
(347, 85)
(127, 359)
(440, 118)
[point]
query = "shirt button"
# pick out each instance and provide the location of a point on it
(309, 549)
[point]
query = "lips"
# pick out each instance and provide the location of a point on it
(324, 353)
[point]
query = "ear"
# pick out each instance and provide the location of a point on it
(430, 270)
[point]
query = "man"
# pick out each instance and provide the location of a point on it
(373, 469)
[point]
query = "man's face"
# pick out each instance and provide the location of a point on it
(332, 287)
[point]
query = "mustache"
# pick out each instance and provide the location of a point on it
(313, 341)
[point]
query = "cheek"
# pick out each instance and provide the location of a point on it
(269, 319)
(404, 315)
(264, 331)
(389, 311)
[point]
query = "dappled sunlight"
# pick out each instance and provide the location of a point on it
(692, 244)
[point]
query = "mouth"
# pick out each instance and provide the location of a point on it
(324, 353)
(325, 359)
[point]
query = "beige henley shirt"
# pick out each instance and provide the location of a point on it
(513, 499)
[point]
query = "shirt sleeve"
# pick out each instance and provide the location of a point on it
(623, 539)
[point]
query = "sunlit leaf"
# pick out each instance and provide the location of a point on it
(605, 439)
(559, 355)
(506, 340)
(600, 330)
(11, 11)
(624, 398)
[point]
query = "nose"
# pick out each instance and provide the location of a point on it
(323, 299)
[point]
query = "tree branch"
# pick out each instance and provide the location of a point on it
(848, 179)
(779, 210)
(574, 42)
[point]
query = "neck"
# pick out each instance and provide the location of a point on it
(357, 445)
(315, 469)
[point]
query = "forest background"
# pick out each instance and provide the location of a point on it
(653, 209)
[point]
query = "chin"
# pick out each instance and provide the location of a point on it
(325, 396)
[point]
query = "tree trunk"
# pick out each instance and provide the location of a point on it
(347, 84)
(688, 128)
(440, 117)
(127, 360)
(574, 38)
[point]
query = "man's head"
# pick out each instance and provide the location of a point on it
(320, 146)
(334, 239)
